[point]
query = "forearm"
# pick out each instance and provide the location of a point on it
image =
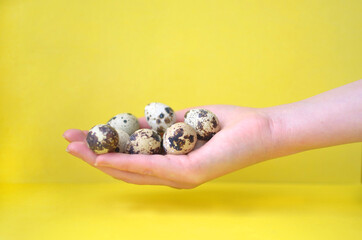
(330, 118)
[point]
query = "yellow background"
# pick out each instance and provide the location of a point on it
(212, 211)
(74, 64)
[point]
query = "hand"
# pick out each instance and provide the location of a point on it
(244, 139)
(247, 136)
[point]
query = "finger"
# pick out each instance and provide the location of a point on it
(138, 179)
(143, 122)
(217, 156)
(75, 135)
(80, 150)
(180, 115)
(169, 167)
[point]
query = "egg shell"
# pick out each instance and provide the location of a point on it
(125, 122)
(204, 122)
(122, 142)
(102, 139)
(144, 141)
(159, 116)
(180, 138)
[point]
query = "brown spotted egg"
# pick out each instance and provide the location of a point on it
(180, 138)
(123, 138)
(159, 116)
(125, 122)
(102, 139)
(204, 122)
(144, 141)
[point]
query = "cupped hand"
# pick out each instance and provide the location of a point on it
(244, 139)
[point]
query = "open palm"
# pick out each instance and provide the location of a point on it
(242, 141)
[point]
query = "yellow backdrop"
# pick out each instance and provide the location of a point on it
(73, 64)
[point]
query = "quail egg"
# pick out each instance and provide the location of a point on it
(159, 116)
(204, 122)
(144, 141)
(125, 122)
(123, 140)
(180, 138)
(102, 139)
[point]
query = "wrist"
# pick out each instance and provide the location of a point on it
(278, 131)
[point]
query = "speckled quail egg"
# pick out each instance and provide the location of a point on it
(125, 122)
(102, 138)
(204, 122)
(123, 140)
(180, 138)
(144, 141)
(159, 116)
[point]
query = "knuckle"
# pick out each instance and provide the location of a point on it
(100, 159)
(147, 169)
(147, 172)
(71, 147)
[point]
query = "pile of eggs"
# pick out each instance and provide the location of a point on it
(122, 133)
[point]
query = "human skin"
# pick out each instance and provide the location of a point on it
(247, 136)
